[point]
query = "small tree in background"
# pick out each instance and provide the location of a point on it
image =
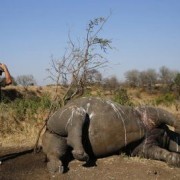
(111, 84)
(26, 80)
(149, 78)
(177, 83)
(165, 75)
(94, 76)
(76, 66)
(133, 78)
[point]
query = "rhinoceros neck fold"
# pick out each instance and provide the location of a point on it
(153, 117)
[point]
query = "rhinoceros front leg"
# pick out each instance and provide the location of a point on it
(55, 148)
(158, 153)
(172, 141)
(150, 148)
(74, 129)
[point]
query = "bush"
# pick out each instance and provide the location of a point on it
(26, 108)
(166, 99)
(121, 97)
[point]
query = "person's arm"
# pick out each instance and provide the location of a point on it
(8, 79)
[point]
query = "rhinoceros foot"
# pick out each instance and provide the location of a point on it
(173, 159)
(55, 167)
(80, 155)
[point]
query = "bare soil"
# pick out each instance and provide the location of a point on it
(32, 166)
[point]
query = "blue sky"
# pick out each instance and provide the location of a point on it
(145, 33)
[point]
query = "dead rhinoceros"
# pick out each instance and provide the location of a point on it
(93, 126)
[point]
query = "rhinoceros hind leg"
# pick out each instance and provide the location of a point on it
(80, 155)
(74, 138)
(55, 148)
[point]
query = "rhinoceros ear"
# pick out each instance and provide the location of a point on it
(177, 126)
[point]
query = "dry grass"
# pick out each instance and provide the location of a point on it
(20, 128)
(19, 133)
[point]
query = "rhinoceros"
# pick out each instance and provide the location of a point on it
(94, 127)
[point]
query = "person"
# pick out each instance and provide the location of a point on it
(7, 79)
(4, 81)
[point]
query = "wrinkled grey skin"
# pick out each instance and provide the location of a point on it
(92, 126)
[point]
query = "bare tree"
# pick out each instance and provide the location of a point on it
(94, 76)
(78, 61)
(133, 78)
(149, 78)
(177, 83)
(111, 84)
(167, 77)
(25, 80)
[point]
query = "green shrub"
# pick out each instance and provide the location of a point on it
(166, 99)
(26, 108)
(121, 97)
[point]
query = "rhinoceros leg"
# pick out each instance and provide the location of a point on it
(158, 153)
(170, 140)
(150, 148)
(55, 148)
(74, 129)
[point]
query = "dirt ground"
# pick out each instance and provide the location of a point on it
(30, 166)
